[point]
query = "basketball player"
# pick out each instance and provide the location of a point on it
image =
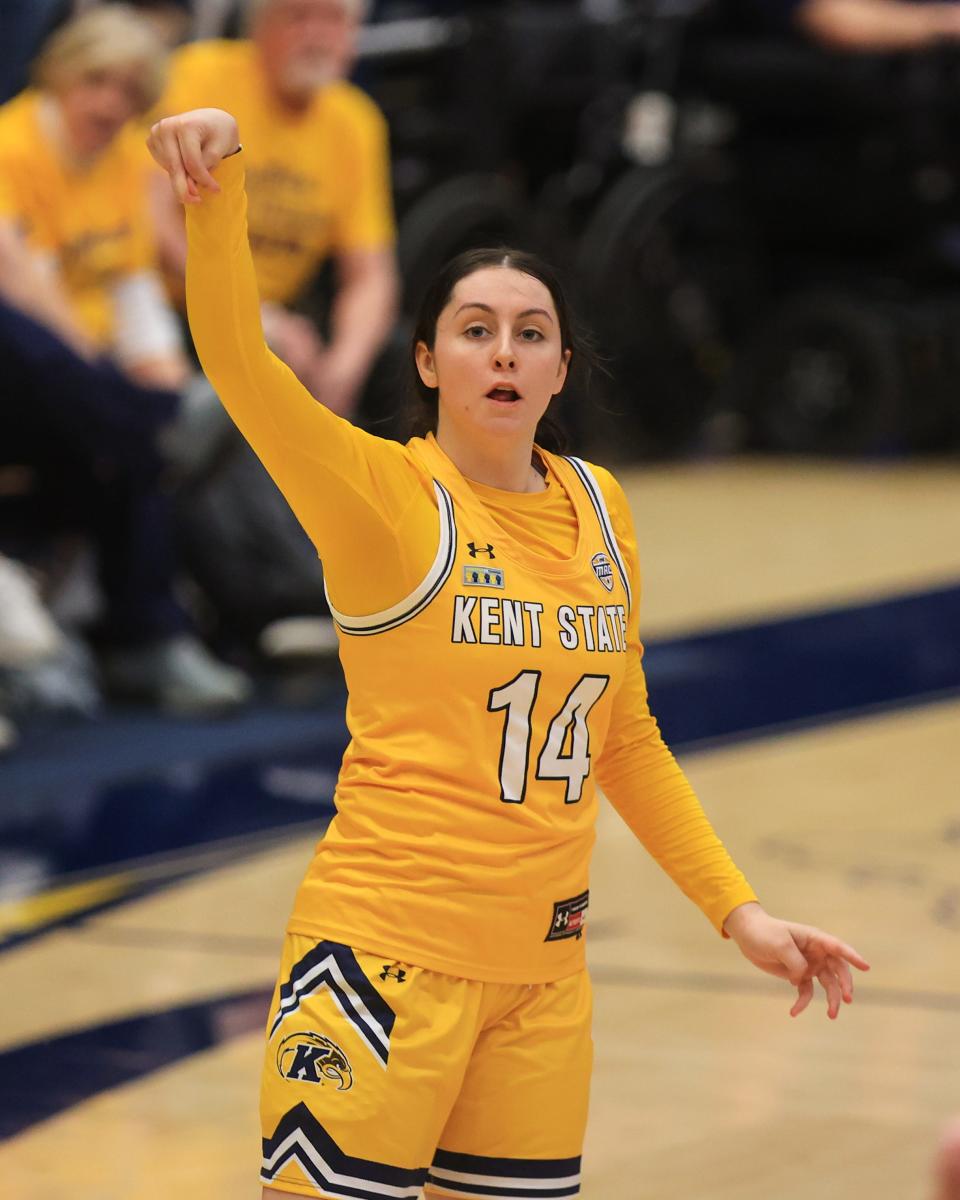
(431, 1024)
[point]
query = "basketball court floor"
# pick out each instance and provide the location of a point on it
(803, 631)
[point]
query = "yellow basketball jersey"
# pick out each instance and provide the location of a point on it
(485, 704)
(466, 800)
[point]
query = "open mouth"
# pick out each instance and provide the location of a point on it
(504, 393)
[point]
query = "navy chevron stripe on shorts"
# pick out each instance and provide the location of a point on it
(300, 1138)
(475, 1175)
(333, 966)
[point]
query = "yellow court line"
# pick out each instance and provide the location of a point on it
(31, 913)
(22, 916)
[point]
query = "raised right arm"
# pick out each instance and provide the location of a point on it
(352, 492)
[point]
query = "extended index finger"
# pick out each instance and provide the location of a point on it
(842, 950)
(857, 959)
(827, 944)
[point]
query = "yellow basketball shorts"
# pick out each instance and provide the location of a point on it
(385, 1079)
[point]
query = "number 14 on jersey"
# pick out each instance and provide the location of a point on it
(555, 760)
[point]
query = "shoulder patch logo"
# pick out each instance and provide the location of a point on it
(483, 577)
(313, 1058)
(603, 568)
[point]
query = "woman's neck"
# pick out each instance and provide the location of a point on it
(508, 467)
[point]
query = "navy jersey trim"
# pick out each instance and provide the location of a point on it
(334, 966)
(301, 1138)
(425, 591)
(589, 482)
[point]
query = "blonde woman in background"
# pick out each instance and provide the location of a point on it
(99, 399)
(74, 191)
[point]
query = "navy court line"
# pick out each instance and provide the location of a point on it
(45, 1077)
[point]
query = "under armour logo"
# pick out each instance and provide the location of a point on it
(475, 550)
(399, 975)
(561, 921)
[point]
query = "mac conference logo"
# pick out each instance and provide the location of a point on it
(603, 569)
(313, 1058)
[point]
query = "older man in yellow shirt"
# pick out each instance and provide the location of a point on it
(318, 180)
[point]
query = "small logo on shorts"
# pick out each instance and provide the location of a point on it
(569, 917)
(603, 569)
(399, 974)
(313, 1058)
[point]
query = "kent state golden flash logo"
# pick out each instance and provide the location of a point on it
(313, 1058)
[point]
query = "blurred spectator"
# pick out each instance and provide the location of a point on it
(317, 178)
(73, 186)
(94, 436)
(874, 26)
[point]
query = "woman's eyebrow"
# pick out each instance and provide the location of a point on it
(527, 312)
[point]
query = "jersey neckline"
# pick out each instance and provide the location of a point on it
(464, 496)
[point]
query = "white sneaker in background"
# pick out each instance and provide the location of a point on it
(27, 632)
(178, 674)
(300, 637)
(65, 683)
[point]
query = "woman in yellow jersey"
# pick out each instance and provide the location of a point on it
(431, 1024)
(74, 183)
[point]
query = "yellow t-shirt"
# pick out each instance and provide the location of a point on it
(94, 222)
(318, 182)
(490, 643)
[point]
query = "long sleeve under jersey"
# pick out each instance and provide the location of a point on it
(492, 653)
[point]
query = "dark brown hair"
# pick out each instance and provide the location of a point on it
(424, 409)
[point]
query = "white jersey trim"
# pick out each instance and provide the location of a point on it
(589, 481)
(421, 595)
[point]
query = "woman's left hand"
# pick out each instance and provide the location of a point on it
(799, 953)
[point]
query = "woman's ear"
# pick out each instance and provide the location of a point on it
(425, 365)
(562, 371)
